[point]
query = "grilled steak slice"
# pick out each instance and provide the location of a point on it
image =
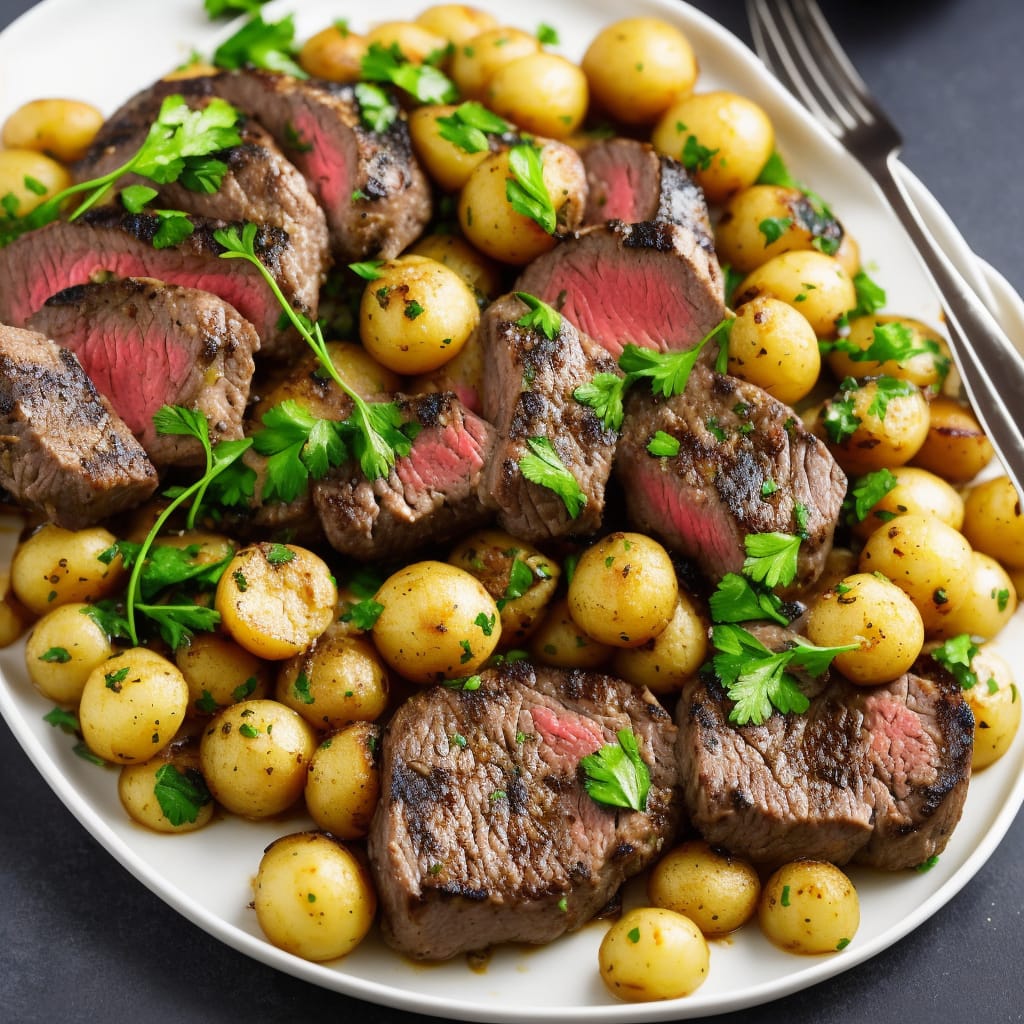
(630, 182)
(107, 241)
(875, 775)
(431, 495)
(495, 839)
(655, 284)
(261, 186)
(736, 443)
(145, 344)
(372, 190)
(64, 453)
(527, 394)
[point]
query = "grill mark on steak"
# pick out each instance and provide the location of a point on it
(460, 868)
(145, 344)
(528, 392)
(64, 453)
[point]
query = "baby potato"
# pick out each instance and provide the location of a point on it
(773, 346)
(476, 60)
(993, 522)
(30, 178)
(636, 67)
(334, 54)
(762, 221)
(55, 566)
(925, 558)
(458, 23)
(255, 755)
(989, 604)
(312, 896)
(520, 578)
(560, 643)
(542, 93)
(132, 705)
(167, 793)
(955, 446)
(414, 40)
(438, 622)
(63, 649)
(722, 138)
(275, 599)
(219, 672)
(874, 613)
(480, 273)
(651, 953)
(995, 702)
(926, 367)
(848, 254)
(447, 163)
(715, 890)
(889, 421)
(814, 284)
(416, 315)
(917, 491)
(624, 590)
(14, 616)
(809, 907)
(343, 785)
(339, 679)
(665, 663)
(61, 128)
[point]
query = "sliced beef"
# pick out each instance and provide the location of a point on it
(145, 344)
(876, 775)
(260, 186)
(746, 464)
(430, 496)
(64, 453)
(373, 192)
(527, 394)
(655, 284)
(484, 832)
(628, 181)
(106, 242)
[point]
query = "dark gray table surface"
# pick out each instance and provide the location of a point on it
(81, 940)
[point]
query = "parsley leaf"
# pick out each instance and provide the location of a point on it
(376, 109)
(520, 579)
(541, 317)
(261, 44)
(694, 156)
(775, 172)
(544, 467)
(135, 197)
(617, 775)
(469, 125)
(59, 655)
(773, 228)
(424, 82)
(839, 419)
(886, 389)
(363, 614)
(736, 600)
(771, 558)
(870, 296)
(604, 394)
(663, 445)
(868, 490)
(525, 189)
(66, 721)
(181, 795)
(547, 35)
(222, 8)
(956, 656)
(368, 270)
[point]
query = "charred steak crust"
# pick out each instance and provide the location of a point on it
(145, 344)
(528, 392)
(484, 832)
(64, 453)
(734, 439)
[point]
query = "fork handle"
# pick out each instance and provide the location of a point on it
(989, 363)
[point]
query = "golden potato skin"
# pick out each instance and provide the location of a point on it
(61, 651)
(255, 755)
(457, 23)
(480, 273)
(636, 67)
(136, 788)
(989, 604)
(343, 785)
(477, 59)
(61, 128)
(132, 705)
(542, 93)
(312, 896)
(996, 704)
(14, 616)
(438, 622)
(917, 491)
(624, 590)
(651, 953)
(874, 613)
(447, 163)
(955, 446)
(994, 523)
(809, 907)
(415, 41)
(560, 643)
(334, 55)
(219, 672)
(17, 165)
(275, 599)
(717, 891)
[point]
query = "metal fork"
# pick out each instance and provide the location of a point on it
(797, 45)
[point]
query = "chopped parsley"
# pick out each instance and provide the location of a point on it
(868, 490)
(773, 228)
(377, 111)
(771, 558)
(840, 417)
(663, 445)
(543, 466)
(541, 317)
(301, 689)
(60, 655)
(546, 35)
(469, 125)
(736, 600)
(363, 614)
(261, 44)
(181, 795)
(368, 270)
(424, 82)
(525, 189)
(616, 775)
(956, 656)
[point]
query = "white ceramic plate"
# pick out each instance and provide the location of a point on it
(102, 52)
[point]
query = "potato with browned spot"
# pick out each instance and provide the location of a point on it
(955, 446)
(809, 907)
(343, 786)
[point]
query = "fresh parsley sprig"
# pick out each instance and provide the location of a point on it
(180, 794)
(736, 599)
(424, 82)
(616, 775)
(525, 190)
(542, 465)
(469, 124)
(771, 558)
(377, 110)
(891, 342)
(541, 316)
(956, 655)
(261, 44)
(867, 491)
(376, 432)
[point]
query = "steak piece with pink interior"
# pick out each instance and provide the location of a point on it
(430, 496)
(145, 344)
(484, 832)
(369, 185)
(527, 395)
(876, 775)
(655, 284)
(746, 464)
(64, 453)
(108, 241)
